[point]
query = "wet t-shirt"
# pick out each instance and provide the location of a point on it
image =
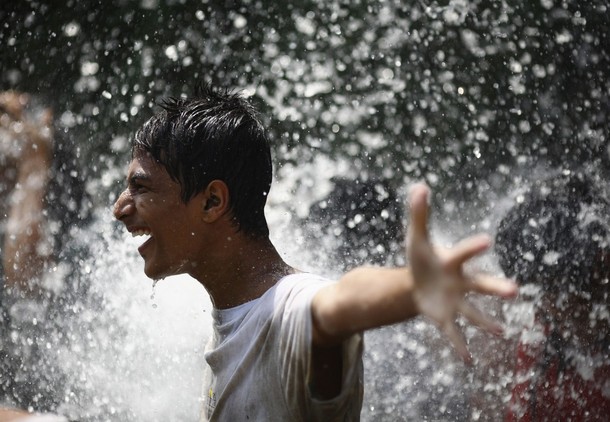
(259, 360)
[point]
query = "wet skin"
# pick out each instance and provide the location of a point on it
(151, 205)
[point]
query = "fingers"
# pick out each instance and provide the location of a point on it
(441, 283)
(46, 119)
(476, 317)
(467, 249)
(480, 319)
(455, 336)
(418, 205)
(493, 286)
(14, 102)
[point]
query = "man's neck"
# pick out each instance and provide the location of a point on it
(245, 273)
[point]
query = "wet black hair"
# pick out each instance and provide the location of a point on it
(214, 135)
(558, 236)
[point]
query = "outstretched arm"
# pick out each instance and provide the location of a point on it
(25, 249)
(434, 286)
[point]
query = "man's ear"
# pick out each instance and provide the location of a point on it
(215, 201)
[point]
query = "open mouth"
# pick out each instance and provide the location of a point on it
(141, 232)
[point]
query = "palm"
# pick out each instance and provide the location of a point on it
(440, 282)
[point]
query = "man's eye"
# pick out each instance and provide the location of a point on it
(137, 187)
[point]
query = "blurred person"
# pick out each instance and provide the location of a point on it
(363, 218)
(556, 242)
(43, 201)
(287, 345)
(26, 154)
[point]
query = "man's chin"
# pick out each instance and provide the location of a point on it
(157, 273)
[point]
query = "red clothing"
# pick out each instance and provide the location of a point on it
(556, 390)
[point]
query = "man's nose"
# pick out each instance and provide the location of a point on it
(123, 205)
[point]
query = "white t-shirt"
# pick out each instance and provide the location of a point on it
(259, 358)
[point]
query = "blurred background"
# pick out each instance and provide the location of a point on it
(477, 98)
(418, 89)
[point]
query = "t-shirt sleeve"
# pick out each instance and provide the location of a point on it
(293, 304)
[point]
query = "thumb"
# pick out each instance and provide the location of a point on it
(418, 207)
(46, 119)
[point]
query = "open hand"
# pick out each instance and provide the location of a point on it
(441, 284)
(33, 133)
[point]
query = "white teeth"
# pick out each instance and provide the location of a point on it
(137, 233)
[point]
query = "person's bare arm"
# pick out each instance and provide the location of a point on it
(25, 249)
(8, 414)
(433, 286)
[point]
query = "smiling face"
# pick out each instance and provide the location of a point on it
(151, 206)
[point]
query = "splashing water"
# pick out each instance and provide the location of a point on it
(477, 98)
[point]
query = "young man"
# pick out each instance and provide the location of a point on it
(287, 345)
